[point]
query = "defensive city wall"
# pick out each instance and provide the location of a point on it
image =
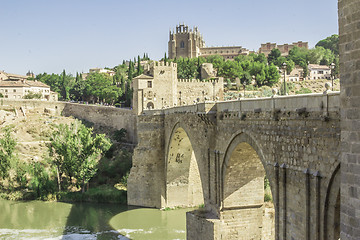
(111, 117)
(217, 154)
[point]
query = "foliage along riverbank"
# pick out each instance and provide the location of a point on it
(100, 194)
(71, 164)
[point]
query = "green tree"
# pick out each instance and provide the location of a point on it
(298, 55)
(75, 152)
(100, 88)
(272, 75)
(273, 56)
(140, 70)
(260, 58)
(331, 43)
(7, 148)
(78, 91)
(66, 83)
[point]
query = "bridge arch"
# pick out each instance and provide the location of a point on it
(242, 190)
(184, 185)
(332, 207)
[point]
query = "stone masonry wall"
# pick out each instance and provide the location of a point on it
(349, 23)
(146, 181)
(115, 118)
(192, 90)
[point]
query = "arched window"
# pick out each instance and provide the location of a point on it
(182, 44)
(150, 105)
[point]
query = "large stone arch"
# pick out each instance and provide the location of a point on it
(246, 138)
(332, 207)
(242, 188)
(184, 185)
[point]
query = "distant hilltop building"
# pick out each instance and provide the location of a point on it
(187, 42)
(160, 88)
(284, 49)
(15, 86)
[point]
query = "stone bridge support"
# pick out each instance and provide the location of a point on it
(349, 29)
(218, 154)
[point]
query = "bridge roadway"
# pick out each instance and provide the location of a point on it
(217, 154)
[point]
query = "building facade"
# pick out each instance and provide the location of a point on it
(187, 42)
(160, 88)
(319, 72)
(266, 48)
(14, 86)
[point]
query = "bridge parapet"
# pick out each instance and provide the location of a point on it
(312, 102)
(315, 102)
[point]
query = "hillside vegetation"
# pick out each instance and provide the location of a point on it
(31, 173)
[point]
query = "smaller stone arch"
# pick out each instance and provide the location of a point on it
(150, 105)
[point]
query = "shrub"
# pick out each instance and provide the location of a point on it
(120, 135)
(303, 91)
(267, 197)
(32, 95)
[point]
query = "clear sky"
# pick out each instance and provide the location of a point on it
(75, 35)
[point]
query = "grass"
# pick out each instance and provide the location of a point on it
(101, 194)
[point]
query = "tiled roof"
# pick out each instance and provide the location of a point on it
(317, 66)
(143, 76)
(27, 83)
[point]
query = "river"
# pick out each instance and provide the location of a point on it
(55, 220)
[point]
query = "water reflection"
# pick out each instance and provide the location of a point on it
(151, 224)
(54, 220)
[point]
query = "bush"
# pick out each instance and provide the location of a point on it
(32, 95)
(120, 135)
(267, 197)
(303, 91)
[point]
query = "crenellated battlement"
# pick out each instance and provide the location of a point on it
(163, 64)
(199, 81)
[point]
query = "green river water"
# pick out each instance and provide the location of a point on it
(55, 220)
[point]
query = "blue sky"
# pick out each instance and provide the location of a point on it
(75, 35)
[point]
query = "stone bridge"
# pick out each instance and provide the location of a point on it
(218, 154)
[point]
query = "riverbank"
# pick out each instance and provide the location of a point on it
(100, 194)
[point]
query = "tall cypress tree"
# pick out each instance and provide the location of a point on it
(139, 68)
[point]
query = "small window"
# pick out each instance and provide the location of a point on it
(14, 90)
(149, 84)
(6, 90)
(182, 44)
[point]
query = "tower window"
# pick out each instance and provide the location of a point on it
(182, 44)
(149, 83)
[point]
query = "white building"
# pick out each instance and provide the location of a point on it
(319, 72)
(13, 86)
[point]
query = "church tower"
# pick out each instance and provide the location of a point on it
(185, 42)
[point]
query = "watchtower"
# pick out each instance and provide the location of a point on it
(185, 42)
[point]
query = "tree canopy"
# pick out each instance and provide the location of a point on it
(75, 151)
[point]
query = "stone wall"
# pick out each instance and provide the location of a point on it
(111, 117)
(193, 91)
(349, 22)
(146, 179)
